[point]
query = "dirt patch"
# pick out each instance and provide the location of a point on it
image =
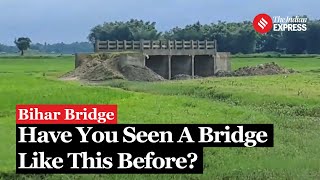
(262, 69)
(106, 67)
(184, 77)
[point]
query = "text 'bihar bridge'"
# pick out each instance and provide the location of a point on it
(170, 58)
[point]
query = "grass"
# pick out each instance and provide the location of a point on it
(291, 103)
(274, 55)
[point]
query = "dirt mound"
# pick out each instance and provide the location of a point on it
(101, 71)
(262, 69)
(102, 68)
(139, 73)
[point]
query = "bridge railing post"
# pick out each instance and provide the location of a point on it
(124, 45)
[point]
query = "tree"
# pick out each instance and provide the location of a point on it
(269, 42)
(189, 32)
(130, 30)
(313, 37)
(23, 43)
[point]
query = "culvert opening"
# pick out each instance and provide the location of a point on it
(181, 65)
(159, 64)
(204, 65)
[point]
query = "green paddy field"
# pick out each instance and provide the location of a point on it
(290, 102)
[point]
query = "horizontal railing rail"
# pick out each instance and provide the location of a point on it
(157, 44)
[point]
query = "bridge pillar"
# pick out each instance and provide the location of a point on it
(192, 66)
(169, 67)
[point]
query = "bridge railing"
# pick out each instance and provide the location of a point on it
(148, 44)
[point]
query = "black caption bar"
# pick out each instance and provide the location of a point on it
(120, 148)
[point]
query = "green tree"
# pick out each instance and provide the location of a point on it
(130, 30)
(190, 32)
(23, 43)
(269, 42)
(294, 42)
(234, 37)
(313, 37)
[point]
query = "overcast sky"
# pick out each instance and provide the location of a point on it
(68, 21)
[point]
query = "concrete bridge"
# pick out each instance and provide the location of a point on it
(169, 58)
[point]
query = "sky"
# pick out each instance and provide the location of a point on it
(55, 21)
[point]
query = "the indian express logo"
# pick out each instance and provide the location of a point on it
(289, 23)
(263, 23)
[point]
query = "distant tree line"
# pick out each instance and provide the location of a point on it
(232, 37)
(57, 48)
(8, 49)
(62, 48)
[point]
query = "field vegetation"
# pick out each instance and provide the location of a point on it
(290, 102)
